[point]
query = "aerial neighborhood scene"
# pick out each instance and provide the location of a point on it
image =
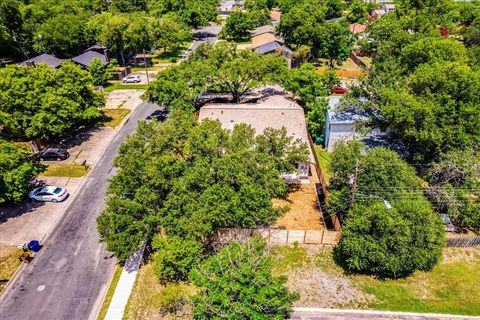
(239, 159)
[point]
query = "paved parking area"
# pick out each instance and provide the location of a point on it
(124, 99)
(30, 220)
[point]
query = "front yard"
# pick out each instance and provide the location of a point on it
(69, 170)
(115, 116)
(452, 287)
(9, 263)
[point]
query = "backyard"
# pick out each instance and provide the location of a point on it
(451, 287)
(324, 158)
(348, 70)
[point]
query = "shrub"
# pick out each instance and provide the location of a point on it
(175, 257)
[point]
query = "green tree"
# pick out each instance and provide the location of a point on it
(391, 243)
(238, 26)
(334, 9)
(16, 172)
(42, 102)
(454, 187)
(175, 257)
(99, 72)
(335, 44)
(237, 283)
(377, 173)
(316, 116)
(129, 5)
(358, 10)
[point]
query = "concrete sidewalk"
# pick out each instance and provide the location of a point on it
(125, 286)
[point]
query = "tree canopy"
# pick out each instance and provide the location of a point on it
(237, 283)
(190, 179)
(42, 102)
(16, 172)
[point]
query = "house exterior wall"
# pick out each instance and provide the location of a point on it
(339, 132)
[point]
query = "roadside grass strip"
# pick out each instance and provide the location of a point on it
(70, 170)
(9, 263)
(115, 116)
(110, 292)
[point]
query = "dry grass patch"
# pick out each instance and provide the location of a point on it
(115, 116)
(69, 170)
(348, 70)
(154, 301)
(9, 263)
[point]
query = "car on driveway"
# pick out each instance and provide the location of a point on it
(48, 193)
(54, 154)
(339, 90)
(131, 79)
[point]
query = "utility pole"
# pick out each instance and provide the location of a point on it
(146, 67)
(353, 183)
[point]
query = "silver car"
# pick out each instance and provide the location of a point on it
(132, 79)
(48, 193)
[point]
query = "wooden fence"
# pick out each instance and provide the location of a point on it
(280, 236)
(323, 185)
(465, 242)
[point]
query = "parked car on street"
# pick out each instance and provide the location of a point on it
(48, 193)
(54, 154)
(339, 90)
(159, 115)
(132, 79)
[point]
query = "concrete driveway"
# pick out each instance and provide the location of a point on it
(31, 220)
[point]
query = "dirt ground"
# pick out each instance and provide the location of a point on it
(304, 213)
(123, 98)
(348, 70)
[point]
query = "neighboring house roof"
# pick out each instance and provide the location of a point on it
(388, 6)
(344, 116)
(274, 112)
(265, 38)
(357, 28)
(52, 61)
(275, 14)
(267, 48)
(261, 30)
(86, 58)
(378, 13)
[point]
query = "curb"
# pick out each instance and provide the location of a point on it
(348, 312)
(104, 295)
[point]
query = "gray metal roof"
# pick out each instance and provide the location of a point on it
(86, 58)
(52, 61)
(351, 115)
(267, 47)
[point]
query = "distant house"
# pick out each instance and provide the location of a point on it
(388, 7)
(50, 60)
(275, 15)
(267, 43)
(227, 6)
(377, 14)
(95, 52)
(357, 28)
(341, 124)
(262, 30)
(274, 112)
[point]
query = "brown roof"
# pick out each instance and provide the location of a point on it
(264, 38)
(274, 112)
(275, 14)
(357, 28)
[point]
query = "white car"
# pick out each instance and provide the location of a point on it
(131, 79)
(48, 193)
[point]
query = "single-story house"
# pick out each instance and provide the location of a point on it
(268, 43)
(388, 7)
(48, 59)
(275, 112)
(262, 30)
(357, 28)
(341, 124)
(377, 13)
(94, 52)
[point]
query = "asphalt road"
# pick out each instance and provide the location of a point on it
(65, 279)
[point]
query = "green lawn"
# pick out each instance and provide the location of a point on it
(110, 292)
(324, 158)
(452, 287)
(167, 57)
(115, 116)
(117, 85)
(70, 170)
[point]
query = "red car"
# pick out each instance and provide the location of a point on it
(339, 90)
